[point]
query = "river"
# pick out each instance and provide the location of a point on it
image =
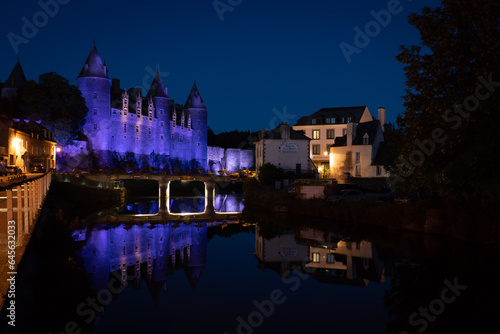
(255, 273)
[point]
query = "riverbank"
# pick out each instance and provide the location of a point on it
(472, 222)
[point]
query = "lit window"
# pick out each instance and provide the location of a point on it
(316, 149)
(315, 257)
(315, 134)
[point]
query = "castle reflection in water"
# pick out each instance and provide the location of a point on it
(152, 252)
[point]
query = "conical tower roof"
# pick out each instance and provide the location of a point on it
(194, 100)
(94, 66)
(157, 89)
(193, 274)
(16, 79)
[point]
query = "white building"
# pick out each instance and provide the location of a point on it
(360, 151)
(284, 148)
(324, 126)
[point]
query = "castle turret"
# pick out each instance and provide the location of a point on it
(198, 254)
(197, 110)
(95, 85)
(16, 80)
(158, 93)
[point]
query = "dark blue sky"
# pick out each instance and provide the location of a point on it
(265, 62)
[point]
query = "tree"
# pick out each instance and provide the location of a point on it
(269, 172)
(59, 105)
(449, 129)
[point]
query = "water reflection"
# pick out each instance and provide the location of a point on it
(151, 252)
(326, 256)
(186, 204)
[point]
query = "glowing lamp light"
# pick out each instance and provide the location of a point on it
(326, 153)
(58, 150)
(16, 141)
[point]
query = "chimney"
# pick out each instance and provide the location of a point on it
(351, 133)
(285, 131)
(381, 117)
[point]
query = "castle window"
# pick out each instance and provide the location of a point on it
(137, 128)
(149, 132)
(125, 128)
(198, 144)
(161, 111)
(95, 111)
(199, 122)
(161, 136)
(95, 95)
(95, 126)
(174, 119)
(198, 133)
(161, 123)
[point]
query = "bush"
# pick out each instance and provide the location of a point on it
(269, 172)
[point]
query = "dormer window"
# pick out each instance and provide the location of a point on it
(366, 139)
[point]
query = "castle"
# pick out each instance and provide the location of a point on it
(155, 129)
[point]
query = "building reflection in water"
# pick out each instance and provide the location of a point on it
(149, 252)
(327, 257)
(223, 203)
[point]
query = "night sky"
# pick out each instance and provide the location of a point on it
(265, 62)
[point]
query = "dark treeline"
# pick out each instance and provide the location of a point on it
(232, 139)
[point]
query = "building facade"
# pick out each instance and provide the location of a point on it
(284, 148)
(360, 152)
(26, 144)
(121, 121)
(324, 126)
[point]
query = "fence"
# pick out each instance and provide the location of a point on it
(21, 203)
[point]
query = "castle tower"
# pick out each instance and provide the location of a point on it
(16, 80)
(158, 93)
(197, 110)
(197, 254)
(95, 85)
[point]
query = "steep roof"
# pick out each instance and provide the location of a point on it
(369, 128)
(382, 152)
(340, 141)
(16, 79)
(194, 100)
(94, 66)
(276, 134)
(338, 112)
(157, 89)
